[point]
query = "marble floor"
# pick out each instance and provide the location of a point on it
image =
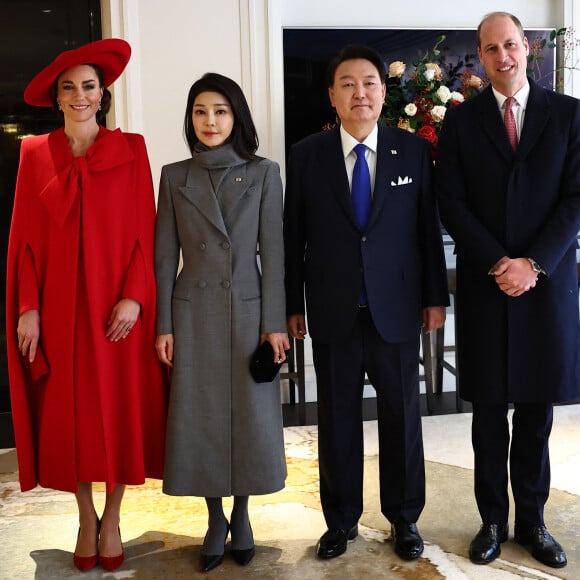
(162, 535)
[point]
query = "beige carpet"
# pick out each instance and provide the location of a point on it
(163, 534)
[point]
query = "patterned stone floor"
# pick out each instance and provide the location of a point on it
(163, 534)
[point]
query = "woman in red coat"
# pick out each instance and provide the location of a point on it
(88, 393)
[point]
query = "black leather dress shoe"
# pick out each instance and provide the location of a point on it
(544, 547)
(408, 542)
(485, 547)
(244, 557)
(333, 542)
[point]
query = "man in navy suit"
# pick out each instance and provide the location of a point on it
(513, 209)
(369, 290)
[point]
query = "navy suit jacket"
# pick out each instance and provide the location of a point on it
(494, 203)
(399, 253)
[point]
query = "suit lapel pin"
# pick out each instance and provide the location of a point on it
(238, 179)
(393, 151)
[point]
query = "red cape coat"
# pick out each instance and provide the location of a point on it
(96, 212)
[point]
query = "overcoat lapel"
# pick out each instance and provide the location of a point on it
(196, 189)
(232, 187)
(537, 115)
(492, 124)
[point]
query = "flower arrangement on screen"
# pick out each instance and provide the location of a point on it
(417, 100)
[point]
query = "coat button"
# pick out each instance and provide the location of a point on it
(202, 245)
(225, 245)
(364, 238)
(226, 284)
(202, 284)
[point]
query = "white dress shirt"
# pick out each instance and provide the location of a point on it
(348, 145)
(518, 108)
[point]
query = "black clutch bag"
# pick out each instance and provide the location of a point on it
(262, 366)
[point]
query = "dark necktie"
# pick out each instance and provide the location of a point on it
(361, 197)
(361, 187)
(510, 122)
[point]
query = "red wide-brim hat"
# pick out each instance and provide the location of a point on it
(110, 55)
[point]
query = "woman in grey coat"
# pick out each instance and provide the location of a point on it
(224, 433)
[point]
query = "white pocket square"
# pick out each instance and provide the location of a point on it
(402, 181)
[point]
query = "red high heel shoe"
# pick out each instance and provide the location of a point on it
(86, 563)
(113, 562)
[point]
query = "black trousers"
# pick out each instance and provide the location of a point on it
(528, 457)
(393, 370)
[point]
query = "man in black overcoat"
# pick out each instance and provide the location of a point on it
(513, 210)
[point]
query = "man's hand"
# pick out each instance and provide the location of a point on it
(297, 326)
(515, 276)
(433, 318)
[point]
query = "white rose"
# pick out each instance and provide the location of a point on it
(438, 113)
(443, 93)
(457, 96)
(438, 74)
(429, 74)
(411, 109)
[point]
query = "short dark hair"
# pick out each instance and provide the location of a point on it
(513, 18)
(244, 137)
(352, 52)
(105, 99)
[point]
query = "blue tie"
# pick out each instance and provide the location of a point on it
(361, 187)
(361, 197)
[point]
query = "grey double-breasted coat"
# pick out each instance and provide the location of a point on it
(224, 434)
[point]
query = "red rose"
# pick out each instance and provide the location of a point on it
(428, 119)
(424, 104)
(428, 132)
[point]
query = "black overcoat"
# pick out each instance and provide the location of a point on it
(494, 203)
